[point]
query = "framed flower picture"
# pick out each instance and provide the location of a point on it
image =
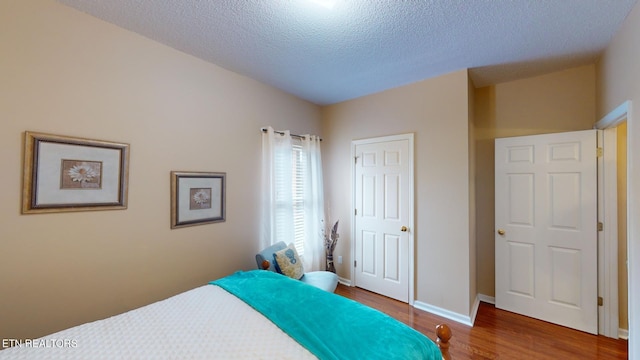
(197, 198)
(63, 173)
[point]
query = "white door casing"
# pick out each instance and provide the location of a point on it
(608, 214)
(546, 227)
(383, 216)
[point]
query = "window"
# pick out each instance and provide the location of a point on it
(293, 206)
(290, 175)
(298, 173)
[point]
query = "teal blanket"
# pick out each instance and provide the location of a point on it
(328, 325)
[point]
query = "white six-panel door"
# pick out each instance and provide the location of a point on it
(546, 227)
(382, 190)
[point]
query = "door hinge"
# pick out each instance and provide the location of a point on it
(600, 301)
(600, 226)
(599, 152)
(355, 263)
(355, 159)
(355, 211)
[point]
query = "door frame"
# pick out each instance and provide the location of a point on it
(410, 220)
(608, 213)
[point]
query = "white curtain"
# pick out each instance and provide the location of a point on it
(314, 204)
(278, 188)
(277, 207)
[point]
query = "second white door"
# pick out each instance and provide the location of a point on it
(546, 227)
(382, 187)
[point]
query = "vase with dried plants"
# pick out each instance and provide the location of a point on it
(330, 241)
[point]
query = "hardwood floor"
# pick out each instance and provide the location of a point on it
(498, 334)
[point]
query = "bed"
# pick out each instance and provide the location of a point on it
(247, 315)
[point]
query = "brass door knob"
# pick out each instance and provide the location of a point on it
(501, 232)
(403, 229)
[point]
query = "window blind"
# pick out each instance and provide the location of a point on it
(297, 189)
(290, 174)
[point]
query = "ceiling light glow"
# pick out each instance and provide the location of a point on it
(325, 3)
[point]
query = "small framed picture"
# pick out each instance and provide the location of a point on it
(197, 198)
(63, 173)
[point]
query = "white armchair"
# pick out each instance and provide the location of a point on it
(324, 280)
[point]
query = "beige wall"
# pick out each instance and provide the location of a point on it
(618, 79)
(436, 111)
(67, 73)
(560, 101)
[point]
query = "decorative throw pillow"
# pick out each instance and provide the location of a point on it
(289, 262)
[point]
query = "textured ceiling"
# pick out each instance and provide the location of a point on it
(360, 47)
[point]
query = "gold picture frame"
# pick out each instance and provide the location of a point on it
(64, 174)
(197, 198)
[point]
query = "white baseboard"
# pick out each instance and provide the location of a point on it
(343, 281)
(487, 299)
(463, 319)
(474, 310)
(623, 334)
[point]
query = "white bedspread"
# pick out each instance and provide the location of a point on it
(203, 323)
